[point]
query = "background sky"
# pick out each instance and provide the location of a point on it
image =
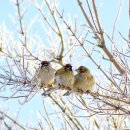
(107, 10)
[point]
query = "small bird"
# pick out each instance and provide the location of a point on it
(65, 77)
(84, 80)
(45, 75)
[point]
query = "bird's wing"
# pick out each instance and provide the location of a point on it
(91, 82)
(59, 71)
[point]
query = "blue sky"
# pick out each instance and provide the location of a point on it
(107, 13)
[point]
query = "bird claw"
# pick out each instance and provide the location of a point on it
(88, 91)
(80, 91)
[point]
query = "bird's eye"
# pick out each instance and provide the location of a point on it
(70, 68)
(81, 68)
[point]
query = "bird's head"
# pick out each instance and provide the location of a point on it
(68, 67)
(83, 69)
(44, 63)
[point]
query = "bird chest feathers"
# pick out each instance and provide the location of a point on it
(83, 82)
(65, 79)
(80, 80)
(47, 75)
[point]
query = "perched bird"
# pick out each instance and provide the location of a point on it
(65, 77)
(45, 75)
(84, 80)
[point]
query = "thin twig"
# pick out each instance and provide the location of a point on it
(14, 121)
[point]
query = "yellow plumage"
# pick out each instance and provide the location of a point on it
(83, 80)
(65, 77)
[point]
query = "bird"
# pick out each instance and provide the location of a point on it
(83, 81)
(44, 76)
(64, 77)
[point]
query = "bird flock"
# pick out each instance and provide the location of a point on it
(63, 78)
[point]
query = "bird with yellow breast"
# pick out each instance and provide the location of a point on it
(65, 77)
(84, 80)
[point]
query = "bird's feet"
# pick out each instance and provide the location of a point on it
(88, 91)
(80, 91)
